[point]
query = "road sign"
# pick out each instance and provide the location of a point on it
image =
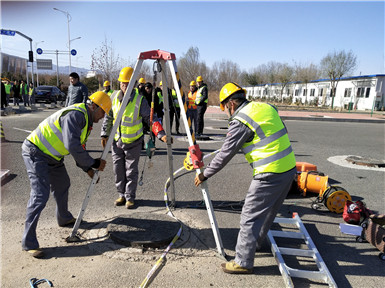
(39, 51)
(73, 52)
(7, 32)
(44, 64)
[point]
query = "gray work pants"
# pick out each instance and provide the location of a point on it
(45, 175)
(125, 158)
(266, 194)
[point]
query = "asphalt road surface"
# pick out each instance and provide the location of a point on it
(192, 262)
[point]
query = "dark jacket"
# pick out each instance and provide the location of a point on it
(77, 93)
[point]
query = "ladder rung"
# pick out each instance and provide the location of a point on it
(287, 234)
(296, 252)
(307, 274)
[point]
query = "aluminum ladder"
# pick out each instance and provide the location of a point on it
(312, 252)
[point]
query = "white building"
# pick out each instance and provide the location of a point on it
(356, 92)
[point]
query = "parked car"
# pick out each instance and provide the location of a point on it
(49, 94)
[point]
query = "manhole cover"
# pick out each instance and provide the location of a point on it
(143, 230)
(365, 161)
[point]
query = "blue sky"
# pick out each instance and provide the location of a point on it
(249, 33)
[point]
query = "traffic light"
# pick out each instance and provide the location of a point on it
(30, 56)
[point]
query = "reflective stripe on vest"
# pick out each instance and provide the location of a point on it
(48, 135)
(199, 96)
(131, 127)
(270, 150)
(191, 100)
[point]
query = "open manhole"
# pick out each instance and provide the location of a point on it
(365, 161)
(146, 230)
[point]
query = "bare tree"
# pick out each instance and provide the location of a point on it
(306, 73)
(284, 75)
(335, 65)
(106, 62)
(189, 66)
(224, 72)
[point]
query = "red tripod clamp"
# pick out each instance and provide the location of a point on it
(196, 156)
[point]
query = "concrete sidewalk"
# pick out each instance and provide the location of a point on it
(377, 117)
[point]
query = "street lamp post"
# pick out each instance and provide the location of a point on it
(37, 69)
(69, 18)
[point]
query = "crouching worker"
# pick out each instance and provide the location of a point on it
(64, 132)
(257, 129)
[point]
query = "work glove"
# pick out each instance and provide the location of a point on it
(164, 139)
(104, 141)
(99, 164)
(91, 173)
(199, 178)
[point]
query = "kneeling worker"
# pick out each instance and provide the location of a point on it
(257, 129)
(64, 132)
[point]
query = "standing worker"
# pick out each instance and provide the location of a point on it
(107, 88)
(201, 101)
(174, 110)
(192, 107)
(62, 133)
(8, 88)
(257, 129)
(158, 96)
(16, 93)
(31, 93)
(24, 93)
(77, 91)
(128, 139)
(3, 96)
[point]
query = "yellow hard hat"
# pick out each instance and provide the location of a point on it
(125, 74)
(199, 79)
(142, 81)
(106, 83)
(192, 83)
(228, 90)
(102, 100)
(160, 83)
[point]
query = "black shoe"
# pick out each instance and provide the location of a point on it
(69, 223)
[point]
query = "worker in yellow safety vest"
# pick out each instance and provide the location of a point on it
(64, 132)
(201, 101)
(107, 88)
(24, 93)
(192, 107)
(256, 129)
(174, 110)
(31, 93)
(128, 138)
(8, 89)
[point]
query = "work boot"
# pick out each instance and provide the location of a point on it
(234, 268)
(130, 204)
(36, 253)
(120, 201)
(69, 223)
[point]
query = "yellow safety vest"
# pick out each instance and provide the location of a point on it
(31, 90)
(109, 92)
(48, 135)
(175, 98)
(191, 100)
(199, 96)
(8, 88)
(131, 127)
(270, 149)
(160, 96)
